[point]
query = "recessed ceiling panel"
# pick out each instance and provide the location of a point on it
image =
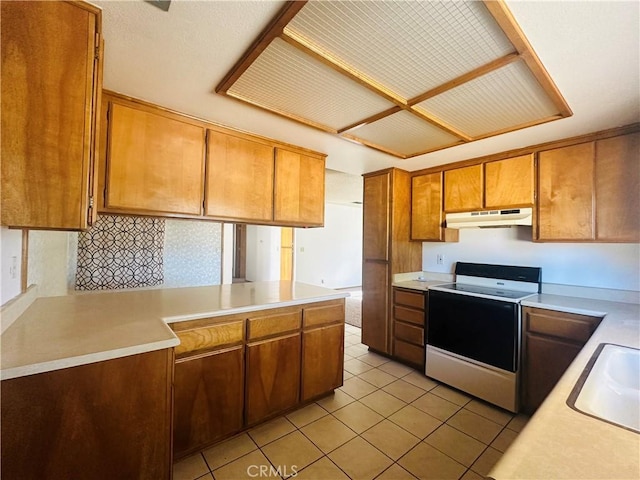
(288, 81)
(409, 47)
(501, 100)
(403, 133)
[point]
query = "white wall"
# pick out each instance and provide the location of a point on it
(10, 263)
(48, 263)
(601, 265)
(263, 253)
(331, 256)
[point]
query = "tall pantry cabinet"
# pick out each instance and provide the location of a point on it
(387, 250)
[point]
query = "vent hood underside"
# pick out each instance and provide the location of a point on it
(490, 218)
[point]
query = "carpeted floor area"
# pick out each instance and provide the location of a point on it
(353, 309)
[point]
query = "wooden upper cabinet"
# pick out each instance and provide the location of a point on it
(155, 162)
(239, 178)
(50, 97)
(617, 175)
(299, 189)
(509, 182)
(376, 217)
(427, 216)
(566, 193)
(463, 189)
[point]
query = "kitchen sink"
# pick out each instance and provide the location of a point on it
(609, 387)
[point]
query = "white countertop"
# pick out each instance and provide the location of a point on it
(61, 332)
(423, 285)
(561, 443)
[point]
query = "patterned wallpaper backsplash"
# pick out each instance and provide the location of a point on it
(132, 252)
(121, 252)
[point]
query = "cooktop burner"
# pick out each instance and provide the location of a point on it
(487, 291)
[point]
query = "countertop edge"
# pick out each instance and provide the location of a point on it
(87, 359)
(253, 308)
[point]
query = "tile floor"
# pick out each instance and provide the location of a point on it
(386, 422)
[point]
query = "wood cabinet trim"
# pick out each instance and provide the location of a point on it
(209, 338)
(533, 149)
(267, 326)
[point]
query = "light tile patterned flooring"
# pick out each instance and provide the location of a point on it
(387, 422)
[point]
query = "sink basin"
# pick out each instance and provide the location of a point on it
(609, 387)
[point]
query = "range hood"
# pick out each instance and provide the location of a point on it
(490, 218)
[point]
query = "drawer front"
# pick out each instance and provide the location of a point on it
(409, 333)
(408, 352)
(207, 338)
(563, 325)
(269, 325)
(323, 315)
(410, 299)
(408, 315)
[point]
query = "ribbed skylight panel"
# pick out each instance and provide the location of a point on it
(404, 133)
(285, 80)
(503, 99)
(409, 47)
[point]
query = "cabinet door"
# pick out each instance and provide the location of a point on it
(565, 198)
(155, 162)
(545, 360)
(50, 95)
(239, 178)
(208, 399)
(509, 182)
(299, 189)
(376, 217)
(463, 189)
(104, 420)
(375, 305)
(273, 377)
(426, 207)
(618, 188)
(322, 360)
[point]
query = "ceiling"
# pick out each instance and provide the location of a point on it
(591, 50)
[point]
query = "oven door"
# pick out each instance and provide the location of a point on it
(480, 329)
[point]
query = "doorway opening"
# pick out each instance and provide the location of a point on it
(239, 253)
(286, 253)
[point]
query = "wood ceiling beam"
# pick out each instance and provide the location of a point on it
(467, 77)
(505, 19)
(273, 30)
(371, 119)
(436, 122)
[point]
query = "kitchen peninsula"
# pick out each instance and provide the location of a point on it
(274, 344)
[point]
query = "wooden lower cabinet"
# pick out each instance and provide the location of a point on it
(409, 326)
(375, 303)
(235, 371)
(550, 343)
(104, 420)
(322, 370)
(272, 377)
(203, 411)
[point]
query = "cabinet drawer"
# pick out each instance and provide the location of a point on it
(409, 333)
(558, 324)
(206, 338)
(322, 315)
(269, 325)
(408, 315)
(408, 352)
(410, 299)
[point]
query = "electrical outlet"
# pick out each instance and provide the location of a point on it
(440, 259)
